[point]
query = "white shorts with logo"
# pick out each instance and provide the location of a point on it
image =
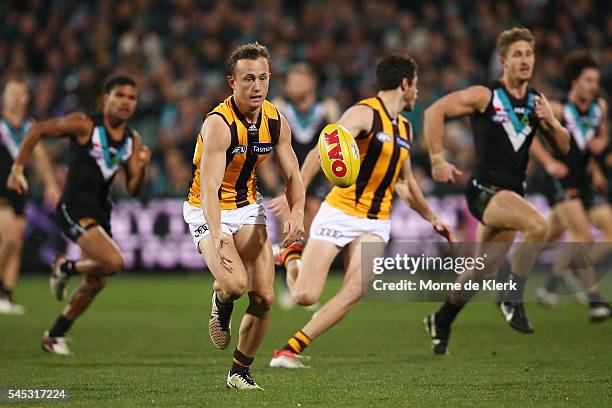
(231, 220)
(335, 226)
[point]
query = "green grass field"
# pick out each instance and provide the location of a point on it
(144, 343)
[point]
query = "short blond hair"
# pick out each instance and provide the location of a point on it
(509, 37)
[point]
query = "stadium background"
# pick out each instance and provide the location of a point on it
(176, 50)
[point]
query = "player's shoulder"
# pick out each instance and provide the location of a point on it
(270, 110)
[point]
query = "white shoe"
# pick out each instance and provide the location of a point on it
(287, 359)
(9, 308)
(241, 381)
(220, 324)
(58, 279)
(546, 298)
(55, 345)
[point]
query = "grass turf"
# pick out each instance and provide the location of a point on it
(144, 343)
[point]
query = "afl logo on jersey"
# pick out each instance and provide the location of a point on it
(499, 115)
(240, 149)
(384, 137)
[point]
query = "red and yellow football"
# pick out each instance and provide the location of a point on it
(339, 155)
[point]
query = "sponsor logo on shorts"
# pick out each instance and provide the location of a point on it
(261, 148)
(201, 230)
(329, 232)
(384, 137)
(239, 149)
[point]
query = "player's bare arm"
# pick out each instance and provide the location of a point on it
(76, 125)
(215, 142)
(408, 190)
(599, 143)
(454, 105)
(555, 133)
(294, 191)
(136, 166)
(553, 167)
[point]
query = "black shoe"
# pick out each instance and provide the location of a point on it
(439, 335)
(514, 313)
(599, 311)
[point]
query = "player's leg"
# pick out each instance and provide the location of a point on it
(100, 256)
(12, 228)
(508, 210)
(256, 253)
(601, 216)
(227, 287)
(101, 259)
(570, 216)
(352, 290)
(495, 243)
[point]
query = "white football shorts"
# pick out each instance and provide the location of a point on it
(231, 220)
(335, 226)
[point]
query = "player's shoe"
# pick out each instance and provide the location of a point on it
(599, 311)
(575, 286)
(8, 307)
(58, 279)
(293, 251)
(514, 313)
(287, 359)
(439, 335)
(241, 381)
(220, 324)
(546, 298)
(55, 345)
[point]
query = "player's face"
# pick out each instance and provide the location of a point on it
(411, 94)
(250, 81)
(519, 61)
(587, 84)
(121, 102)
(15, 97)
(299, 86)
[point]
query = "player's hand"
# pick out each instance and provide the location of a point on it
(543, 110)
(556, 169)
(52, 195)
(144, 156)
(444, 229)
(293, 229)
(445, 173)
(16, 180)
(597, 145)
(279, 207)
(220, 242)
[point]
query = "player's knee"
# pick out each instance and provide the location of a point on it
(11, 242)
(235, 289)
(96, 283)
(352, 295)
(305, 298)
(538, 228)
(261, 301)
(113, 264)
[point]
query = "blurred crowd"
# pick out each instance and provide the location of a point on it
(176, 50)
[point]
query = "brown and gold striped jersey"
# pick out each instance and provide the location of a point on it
(382, 151)
(251, 144)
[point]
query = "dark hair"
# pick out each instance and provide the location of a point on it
(251, 51)
(509, 37)
(118, 80)
(393, 69)
(575, 63)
